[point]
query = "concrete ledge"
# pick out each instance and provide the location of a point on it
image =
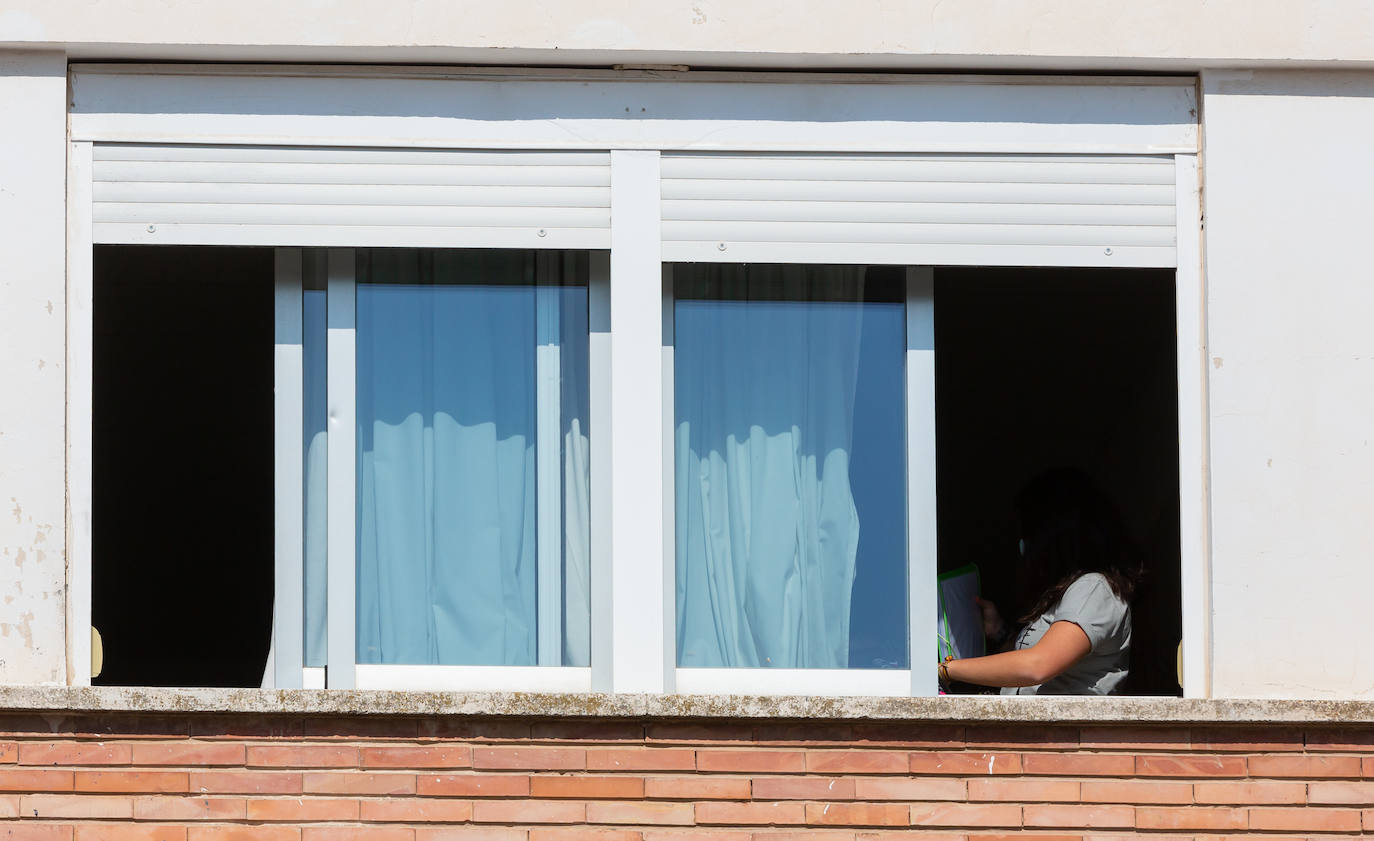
(48, 699)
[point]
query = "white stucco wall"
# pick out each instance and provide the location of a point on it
(33, 94)
(1044, 34)
(1289, 175)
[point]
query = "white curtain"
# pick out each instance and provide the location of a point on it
(766, 365)
(447, 555)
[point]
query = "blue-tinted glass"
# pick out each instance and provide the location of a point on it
(790, 468)
(448, 468)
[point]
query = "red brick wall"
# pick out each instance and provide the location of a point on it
(232, 778)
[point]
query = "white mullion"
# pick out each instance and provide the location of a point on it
(341, 360)
(920, 474)
(599, 428)
(80, 355)
(639, 622)
(547, 449)
(288, 607)
(1190, 315)
(668, 315)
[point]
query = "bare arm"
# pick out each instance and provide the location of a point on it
(1062, 645)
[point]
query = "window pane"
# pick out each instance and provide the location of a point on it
(789, 385)
(455, 354)
(316, 454)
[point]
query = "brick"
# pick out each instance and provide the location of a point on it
(1342, 739)
(907, 788)
(1331, 792)
(1196, 817)
(1135, 738)
(937, 736)
(642, 759)
(966, 814)
(123, 726)
(890, 835)
(473, 730)
(1079, 764)
(697, 788)
(129, 832)
(473, 785)
(805, 835)
(857, 814)
(1060, 815)
(189, 753)
(29, 780)
(350, 728)
(1136, 791)
(652, 814)
(588, 788)
(530, 759)
(9, 806)
(188, 809)
(357, 833)
(470, 833)
(1182, 765)
(1305, 766)
(1022, 737)
(73, 753)
(243, 833)
(752, 761)
(857, 762)
(343, 782)
(588, 731)
(1306, 819)
(35, 832)
(416, 810)
(75, 806)
(246, 782)
(434, 756)
(303, 809)
(804, 733)
(964, 763)
(1367, 817)
(1367, 766)
(698, 834)
(528, 811)
(133, 782)
(758, 813)
(1247, 739)
(713, 733)
(584, 833)
(1021, 790)
(9, 753)
(803, 788)
(1241, 794)
(246, 727)
(302, 756)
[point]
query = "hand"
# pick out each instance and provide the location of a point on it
(993, 626)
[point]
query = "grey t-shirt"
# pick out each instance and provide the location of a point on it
(1090, 604)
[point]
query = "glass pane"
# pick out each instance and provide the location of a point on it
(790, 467)
(316, 453)
(456, 351)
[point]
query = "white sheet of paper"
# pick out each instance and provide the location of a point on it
(961, 622)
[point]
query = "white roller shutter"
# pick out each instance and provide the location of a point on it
(983, 210)
(272, 195)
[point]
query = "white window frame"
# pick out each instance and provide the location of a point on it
(632, 601)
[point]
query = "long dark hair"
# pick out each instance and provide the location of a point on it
(1070, 528)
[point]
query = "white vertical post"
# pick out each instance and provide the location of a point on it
(547, 449)
(669, 480)
(599, 427)
(80, 356)
(1195, 598)
(341, 359)
(288, 625)
(639, 624)
(920, 476)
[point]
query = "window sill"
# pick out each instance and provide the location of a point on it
(596, 705)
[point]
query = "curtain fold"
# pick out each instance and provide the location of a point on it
(766, 366)
(447, 503)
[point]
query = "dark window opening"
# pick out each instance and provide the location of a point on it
(182, 520)
(1048, 368)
